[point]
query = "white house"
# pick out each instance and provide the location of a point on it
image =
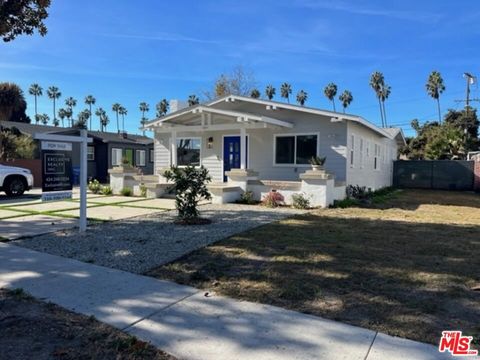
(260, 145)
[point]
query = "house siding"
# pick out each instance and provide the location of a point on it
(363, 172)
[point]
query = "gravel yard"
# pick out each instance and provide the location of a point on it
(140, 244)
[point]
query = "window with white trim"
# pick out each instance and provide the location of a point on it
(188, 151)
(295, 149)
(152, 155)
(90, 153)
(361, 152)
(116, 156)
(377, 155)
(352, 150)
(140, 157)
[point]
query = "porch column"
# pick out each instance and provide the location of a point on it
(173, 145)
(243, 148)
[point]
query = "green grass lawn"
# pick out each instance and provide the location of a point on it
(404, 266)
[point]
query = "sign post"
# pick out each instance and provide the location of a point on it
(57, 169)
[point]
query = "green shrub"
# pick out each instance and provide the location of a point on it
(126, 191)
(247, 198)
(273, 199)
(300, 201)
(94, 186)
(190, 186)
(345, 203)
(106, 190)
(143, 190)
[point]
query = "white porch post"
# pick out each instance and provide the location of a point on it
(173, 148)
(243, 148)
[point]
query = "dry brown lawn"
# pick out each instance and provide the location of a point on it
(406, 267)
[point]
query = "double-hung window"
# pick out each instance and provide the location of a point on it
(140, 157)
(352, 150)
(295, 149)
(377, 156)
(188, 151)
(90, 153)
(116, 156)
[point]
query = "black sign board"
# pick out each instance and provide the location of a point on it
(56, 170)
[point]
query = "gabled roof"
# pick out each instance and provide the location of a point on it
(280, 105)
(31, 129)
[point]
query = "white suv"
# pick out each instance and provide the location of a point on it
(14, 180)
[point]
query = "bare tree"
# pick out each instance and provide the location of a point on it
(239, 81)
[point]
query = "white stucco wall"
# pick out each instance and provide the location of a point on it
(362, 172)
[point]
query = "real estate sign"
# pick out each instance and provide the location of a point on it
(56, 170)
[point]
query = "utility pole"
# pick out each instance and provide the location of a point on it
(471, 79)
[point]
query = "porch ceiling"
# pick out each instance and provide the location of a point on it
(203, 118)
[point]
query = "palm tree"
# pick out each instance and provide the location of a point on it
(71, 103)
(56, 122)
(384, 94)
(377, 81)
(35, 90)
(62, 114)
(193, 100)
(104, 120)
(330, 92)
(435, 87)
(101, 116)
(123, 111)
(44, 118)
(270, 92)
(162, 108)
(69, 114)
(255, 94)
(144, 107)
(82, 119)
(302, 96)
(115, 108)
(285, 91)
(90, 100)
(346, 98)
(54, 93)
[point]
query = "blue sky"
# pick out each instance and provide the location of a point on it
(132, 51)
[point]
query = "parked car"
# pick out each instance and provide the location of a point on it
(14, 181)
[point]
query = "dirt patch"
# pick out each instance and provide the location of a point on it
(31, 329)
(405, 267)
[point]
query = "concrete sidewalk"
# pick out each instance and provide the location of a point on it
(190, 325)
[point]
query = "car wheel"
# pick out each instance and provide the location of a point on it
(15, 186)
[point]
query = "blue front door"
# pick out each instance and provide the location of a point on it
(231, 154)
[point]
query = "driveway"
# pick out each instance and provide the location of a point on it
(28, 216)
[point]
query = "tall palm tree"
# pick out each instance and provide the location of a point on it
(255, 94)
(62, 114)
(384, 94)
(35, 90)
(377, 81)
(100, 113)
(162, 108)
(285, 91)
(346, 98)
(69, 114)
(104, 121)
(116, 108)
(71, 103)
(123, 111)
(435, 87)
(302, 96)
(44, 118)
(330, 92)
(193, 100)
(90, 100)
(144, 107)
(54, 93)
(270, 92)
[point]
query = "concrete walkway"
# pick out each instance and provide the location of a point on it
(189, 324)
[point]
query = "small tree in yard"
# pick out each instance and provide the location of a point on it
(190, 185)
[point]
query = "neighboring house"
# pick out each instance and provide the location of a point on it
(106, 150)
(275, 140)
